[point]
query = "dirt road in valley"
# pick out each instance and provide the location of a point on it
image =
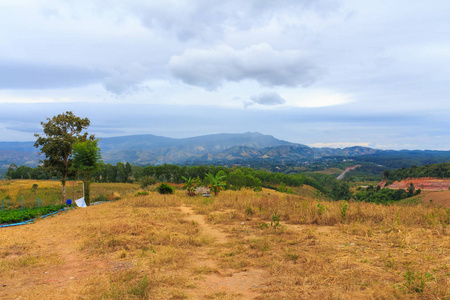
(340, 177)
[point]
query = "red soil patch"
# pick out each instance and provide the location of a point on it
(427, 184)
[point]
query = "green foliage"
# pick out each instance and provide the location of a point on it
(441, 170)
(236, 178)
(282, 187)
(147, 180)
(189, 185)
(385, 196)
(86, 156)
(141, 193)
(275, 223)
(239, 179)
(216, 183)
(17, 215)
(321, 209)
(86, 161)
(341, 191)
(60, 134)
(164, 188)
(34, 188)
(249, 211)
(415, 282)
(343, 206)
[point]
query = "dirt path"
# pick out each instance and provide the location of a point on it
(340, 177)
(219, 237)
(217, 282)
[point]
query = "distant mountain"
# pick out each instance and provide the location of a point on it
(151, 149)
(210, 143)
(223, 148)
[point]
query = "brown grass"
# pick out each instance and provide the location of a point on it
(49, 191)
(153, 247)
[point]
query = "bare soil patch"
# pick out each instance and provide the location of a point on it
(219, 236)
(427, 184)
(217, 282)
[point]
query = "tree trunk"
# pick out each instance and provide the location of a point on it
(87, 191)
(63, 182)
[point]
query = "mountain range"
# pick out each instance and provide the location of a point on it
(226, 147)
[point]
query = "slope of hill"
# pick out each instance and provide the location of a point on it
(428, 184)
(180, 247)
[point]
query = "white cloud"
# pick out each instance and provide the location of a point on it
(339, 144)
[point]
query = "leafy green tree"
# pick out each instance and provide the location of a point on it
(121, 177)
(11, 170)
(411, 189)
(60, 134)
(216, 183)
(86, 161)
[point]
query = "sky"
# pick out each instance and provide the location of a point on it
(332, 73)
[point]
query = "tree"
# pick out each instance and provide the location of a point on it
(11, 169)
(60, 134)
(190, 184)
(216, 183)
(411, 189)
(86, 161)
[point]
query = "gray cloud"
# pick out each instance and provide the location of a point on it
(268, 98)
(269, 67)
(208, 20)
(21, 75)
(126, 79)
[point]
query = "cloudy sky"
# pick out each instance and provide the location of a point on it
(317, 72)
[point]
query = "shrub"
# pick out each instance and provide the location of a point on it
(165, 189)
(141, 193)
(147, 180)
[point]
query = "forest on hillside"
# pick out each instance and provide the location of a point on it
(237, 177)
(441, 170)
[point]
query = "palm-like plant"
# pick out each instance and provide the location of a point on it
(216, 183)
(189, 185)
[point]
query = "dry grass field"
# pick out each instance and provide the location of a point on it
(49, 191)
(237, 245)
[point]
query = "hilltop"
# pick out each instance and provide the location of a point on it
(237, 245)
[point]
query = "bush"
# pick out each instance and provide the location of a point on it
(141, 193)
(147, 180)
(165, 189)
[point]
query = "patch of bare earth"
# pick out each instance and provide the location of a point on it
(211, 281)
(427, 184)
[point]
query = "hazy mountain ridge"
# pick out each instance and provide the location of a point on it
(226, 147)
